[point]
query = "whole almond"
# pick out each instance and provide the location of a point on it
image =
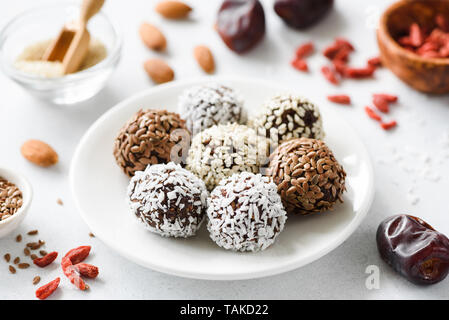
(204, 57)
(158, 70)
(152, 37)
(39, 153)
(173, 9)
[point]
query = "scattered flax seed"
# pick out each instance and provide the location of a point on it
(7, 257)
(32, 232)
(26, 251)
(59, 201)
(16, 260)
(23, 265)
(91, 235)
(33, 256)
(43, 253)
(34, 245)
(19, 238)
(36, 280)
(12, 269)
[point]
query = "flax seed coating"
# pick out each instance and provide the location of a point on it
(288, 116)
(168, 199)
(151, 137)
(308, 177)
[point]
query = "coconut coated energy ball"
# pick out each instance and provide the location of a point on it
(208, 105)
(220, 151)
(245, 213)
(168, 199)
(288, 116)
(308, 177)
(151, 137)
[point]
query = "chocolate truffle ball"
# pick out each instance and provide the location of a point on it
(208, 105)
(218, 152)
(308, 176)
(245, 213)
(151, 137)
(168, 199)
(288, 116)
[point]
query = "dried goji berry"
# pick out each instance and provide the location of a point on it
(388, 125)
(381, 104)
(305, 50)
(340, 98)
(372, 114)
(375, 62)
(46, 260)
(300, 65)
(78, 255)
(46, 290)
(416, 35)
(87, 270)
(330, 75)
(442, 22)
(342, 54)
(388, 97)
(71, 273)
(340, 66)
(358, 73)
(342, 42)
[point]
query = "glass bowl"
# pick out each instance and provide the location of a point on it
(44, 23)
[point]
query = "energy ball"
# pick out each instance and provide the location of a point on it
(208, 105)
(151, 137)
(308, 176)
(220, 151)
(288, 116)
(245, 213)
(168, 199)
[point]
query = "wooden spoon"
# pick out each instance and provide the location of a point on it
(72, 43)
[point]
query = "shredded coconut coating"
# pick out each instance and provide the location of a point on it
(168, 199)
(221, 151)
(245, 213)
(208, 105)
(288, 116)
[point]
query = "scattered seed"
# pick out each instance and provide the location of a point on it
(26, 251)
(16, 260)
(12, 269)
(33, 256)
(43, 253)
(19, 238)
(91, 235)
(7, 257)
(59, 201)
(23, 265)
(32, 232)
(36, 280)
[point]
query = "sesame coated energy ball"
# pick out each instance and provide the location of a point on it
(220, 151)
(151, 137)
(288, 116)
(208, 105)
(168, 199)
(308, 177)
(245, 213)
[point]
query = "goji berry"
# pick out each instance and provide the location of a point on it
(70, 272)
(381, 104)
(375, 62)
(87, 270)
(388, 125)
(416, 35)
(342, 54)
(78, 255)
(340, 98)
(340, 66)
(46, 260)
(372, 114)
(388, 97)
(46, 290)
(300, 65)
(330, 75)
(342, 42)
(305, 50)
(442, 22)
(358, 73)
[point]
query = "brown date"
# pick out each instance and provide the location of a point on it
(300, 14)
(414, 249)
(241, 24)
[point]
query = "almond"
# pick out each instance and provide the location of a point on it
(152, 37)
(39, 153)
(204, 57)
(158, 70)
(173, 9)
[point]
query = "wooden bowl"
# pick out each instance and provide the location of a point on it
(430, 75)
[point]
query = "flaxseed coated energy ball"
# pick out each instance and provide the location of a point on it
(168, 199)
(220, 151)
(308, 176)
(245, 213)
(288, 116)
(208, 105)
(151, 137)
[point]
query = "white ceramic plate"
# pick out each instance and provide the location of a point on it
(99, 190)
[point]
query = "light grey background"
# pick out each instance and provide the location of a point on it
(410, 162)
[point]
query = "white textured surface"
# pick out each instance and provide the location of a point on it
(409, 162)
